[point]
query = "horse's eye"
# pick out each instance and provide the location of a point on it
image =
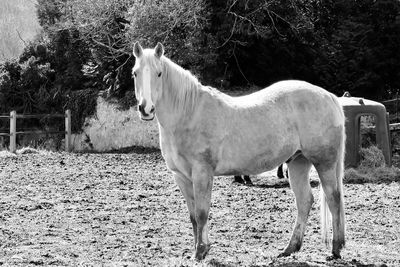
(159, 74)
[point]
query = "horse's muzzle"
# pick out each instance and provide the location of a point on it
(149, 118)
(144, 115)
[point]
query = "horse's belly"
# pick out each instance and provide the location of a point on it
(249, 161)
(256, 167)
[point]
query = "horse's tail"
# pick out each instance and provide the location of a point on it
(326, 218)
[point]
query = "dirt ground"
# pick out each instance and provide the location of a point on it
(124, 209)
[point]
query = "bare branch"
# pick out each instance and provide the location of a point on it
(123, 64)
(20, 37)
(230, 7)
(230, 36)
(237, 64)
(112, 49)
(280, 17)
(273, 23)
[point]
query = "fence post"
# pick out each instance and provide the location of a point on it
(397, 106)
(13, 131)
(68, 130)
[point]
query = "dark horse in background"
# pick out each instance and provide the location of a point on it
(245, 179)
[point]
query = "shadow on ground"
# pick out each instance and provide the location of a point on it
(297, 263)
(280, 183)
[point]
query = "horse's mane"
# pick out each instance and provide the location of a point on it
(182, 87)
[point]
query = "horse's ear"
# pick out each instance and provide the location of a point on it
(159, 50)
(137, 50)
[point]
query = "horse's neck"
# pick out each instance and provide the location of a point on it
(166, 115)
(169, 113)
(171, 117)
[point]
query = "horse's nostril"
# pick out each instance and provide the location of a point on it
(141, 109)
(152, 109)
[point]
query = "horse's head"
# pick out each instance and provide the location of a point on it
(147, 73)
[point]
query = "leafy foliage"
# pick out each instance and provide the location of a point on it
(103, 26)
(49, 72)
(85, 48)
(83, 103)
(262, 41)
(180, 25)
(364, 44)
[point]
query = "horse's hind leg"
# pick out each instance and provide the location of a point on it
(332, 186)
(299, 169)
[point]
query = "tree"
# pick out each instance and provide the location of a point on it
(51, 12)
(85, 48)
(103, 27)
(259, 41)
(180, 25)
(365, 43)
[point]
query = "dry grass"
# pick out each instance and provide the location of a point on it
(27, 150)
(372, 168)
(4, 154)
(112, 129)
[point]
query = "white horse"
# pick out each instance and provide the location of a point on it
(204, 133)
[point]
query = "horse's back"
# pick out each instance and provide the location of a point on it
(306, 104)
(275, 122)
(292, 101)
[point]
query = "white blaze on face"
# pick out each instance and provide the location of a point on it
(147, 89)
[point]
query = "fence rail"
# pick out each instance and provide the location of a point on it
(393, 107)
(39, 116)
(13, 127)
(394, 127)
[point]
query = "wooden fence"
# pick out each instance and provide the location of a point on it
(13, 127)
(393, 107)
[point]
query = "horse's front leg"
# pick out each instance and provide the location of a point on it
(186, 187)
(202, 177)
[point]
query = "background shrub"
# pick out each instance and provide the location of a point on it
(85, 48)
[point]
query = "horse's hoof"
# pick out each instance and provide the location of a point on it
(249, 183)
(334, 256)
(284, 254)
(202, 251)
(238, 179)
(290, 249)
